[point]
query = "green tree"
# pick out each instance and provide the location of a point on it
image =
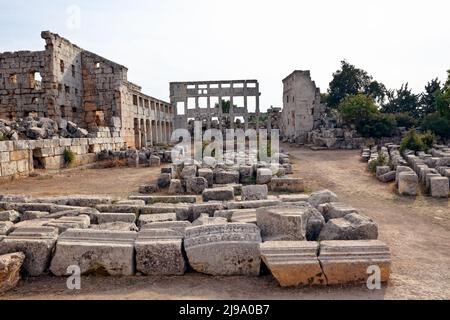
(428, 98)
(350, 80)
(443, 99)
(437, 124)
(405, 120)
(402, 100)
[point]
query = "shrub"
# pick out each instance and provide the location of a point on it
(405, 120)
(437, 124)
(2, 137)
(428, 139)
(412, 141)
(69, 156)
(380, 161)
(377, 126)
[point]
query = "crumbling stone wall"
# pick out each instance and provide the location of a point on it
(23, 156)
(302, 109)
(67, 83)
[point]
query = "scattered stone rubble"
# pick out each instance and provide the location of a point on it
(410, 170)
(169, 235)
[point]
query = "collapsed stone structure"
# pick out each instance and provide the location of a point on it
(66, 83)
(204, 101)
(411, 169)
(302, 109)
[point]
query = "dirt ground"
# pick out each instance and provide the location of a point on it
(416, 229)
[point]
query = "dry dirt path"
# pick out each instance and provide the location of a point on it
(417, 230)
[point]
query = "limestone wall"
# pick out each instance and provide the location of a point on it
(24, 156)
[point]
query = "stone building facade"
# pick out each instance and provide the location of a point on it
(302, 109)
(206, 100)
(66, 83)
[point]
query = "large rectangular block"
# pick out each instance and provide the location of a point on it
(293, 263)
(95, 251)
(36, 243)
(439, 187)
(287, 185)
(349, 261)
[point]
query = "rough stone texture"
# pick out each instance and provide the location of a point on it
(347, 261)
(293, 263)
(263, 176)
(6, 227)
(247, 175)
(287, 185)
(157, 217)
(176, 187)
(237, 215)
(381, 170)
(164, 180)
(407, 183)
(224, 249)
(205, 219)
(293, 197)
(131, 202)
(160, 252)
(115, 226)
(37, 245)
(105, 217)
(289, 222)
(387, 177)
(218, 194)
(254, 192)
(209, 208)
(10, 265)
(177, 226)
(31, 215)
(166, 199)
(65, 223)
(321, 197)
(154, 161)
(10, 215)
(196, 185)
(251, 204)
(351, 227)
(189, 172)
(208, 175)
(335, 210)
(439, 187)
(95, 251)
(226, 177)
(148, 188)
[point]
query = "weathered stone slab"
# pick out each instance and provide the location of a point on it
(289, 222)
(218, 194)
(205, 219)
(10, 215)
(131, 202)
(95, 251)
(176, 187)
(209, 208)
(348, 261)
(76, 200)
(164, 180)
(237, 187)
(156, 217)
(382, 170)
(182, 210)
(160, 252)
(226, 177)
(350, 227)
(238, 215)
(165, 199)
(106, 217)
(321, 197)
(37, 245)
(31, 215)
(64, 223)
(115, 226)
(10, 265)
(178, 226)
(335, 210)
(263, 175)
(224, 249)
(6, 227)
(230, 205)
(208, 175)
(154, 161)
(196, 185)
(148, 188)
(293, 263)
(121, 208)
(387, 177)
(189, 172)
(439, 187)
(247, 175)
(285, 184)
(408, 183)
(254, 192)
(293, 197)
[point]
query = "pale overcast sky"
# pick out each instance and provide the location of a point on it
(181, 40)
